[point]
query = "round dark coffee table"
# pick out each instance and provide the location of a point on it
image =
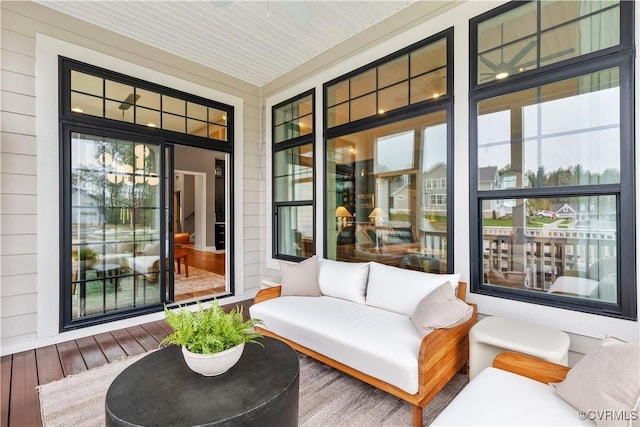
(161, 390)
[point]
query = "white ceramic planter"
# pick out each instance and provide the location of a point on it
(213, 364)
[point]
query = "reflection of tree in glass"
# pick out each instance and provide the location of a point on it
(117, 200)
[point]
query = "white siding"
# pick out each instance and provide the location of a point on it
(22, 285)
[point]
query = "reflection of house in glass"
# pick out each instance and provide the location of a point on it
(434, 201)
(569, 248)
(87, 210)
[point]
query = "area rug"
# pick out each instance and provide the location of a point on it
(198, 280)
(327, 398)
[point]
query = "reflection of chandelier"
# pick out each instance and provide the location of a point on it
(123, 172)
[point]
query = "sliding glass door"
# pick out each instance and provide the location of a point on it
(118, 244)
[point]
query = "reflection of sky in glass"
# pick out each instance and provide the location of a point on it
(582, 129)
(435, 146)
(394, 152)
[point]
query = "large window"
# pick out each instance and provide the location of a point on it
(552, 149)
(388, 160)
(293, 177)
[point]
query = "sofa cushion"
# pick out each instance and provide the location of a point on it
(607, 378)
(300, 278)
(345, 280)
(440, 309)
(399, 290)
(376, 342)
(500, 398)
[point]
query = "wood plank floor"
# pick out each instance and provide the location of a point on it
(21, 373)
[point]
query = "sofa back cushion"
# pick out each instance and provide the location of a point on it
(300, 278)
(400, 290)
(346, 280)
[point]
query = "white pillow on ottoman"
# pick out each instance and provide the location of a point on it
(399, 290)
(345, 280)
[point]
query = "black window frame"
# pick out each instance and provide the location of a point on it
(443, 103)
(621, 56)
(70, 121)
(298, 141)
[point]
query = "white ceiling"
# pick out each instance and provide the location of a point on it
(255, 41)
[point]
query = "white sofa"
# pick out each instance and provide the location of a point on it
(364, 320)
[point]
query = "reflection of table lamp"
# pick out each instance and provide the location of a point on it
(376, 216)
(342, 214)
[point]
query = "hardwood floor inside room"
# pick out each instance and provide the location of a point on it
(208, 261)
(21, 373)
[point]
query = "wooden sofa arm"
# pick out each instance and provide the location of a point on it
(267, 294)
(531, 367)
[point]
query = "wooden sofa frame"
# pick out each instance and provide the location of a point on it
(530, 367)
(443, 353)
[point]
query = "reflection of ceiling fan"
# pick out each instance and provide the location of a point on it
(128, 103)
(505, 69)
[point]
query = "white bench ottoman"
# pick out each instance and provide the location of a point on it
(493, 335)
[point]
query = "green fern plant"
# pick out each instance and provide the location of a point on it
(209, 330)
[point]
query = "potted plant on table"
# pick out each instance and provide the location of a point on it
(85, 257)
(212, 340)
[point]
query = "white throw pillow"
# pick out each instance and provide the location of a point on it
(440, 309)
(346, 280)
(300, 278)
(399, 290)
(605, 383)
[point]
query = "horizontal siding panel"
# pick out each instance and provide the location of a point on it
(18, 164)
(18, 62)
(17, 42)
(15, 326)
(252, 257)
(17, 184)
(251, 270)
(251, 184)
(18, 83)
(18, 305)
(251, 233)
(251, 220)
(18, 103)
(19, 204)
(18, 123)
(19, 244)
(19, 285)
(18, 224)
(18, 264)
(18, 143)
(251, 160)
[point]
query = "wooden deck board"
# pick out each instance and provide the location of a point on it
(110, 347)
(147, 341)
(71, 358)
(24, 404)
(155, 331)
(49, 366)
(22, 372)
(91, 352)
(127, 342)
(5, 389)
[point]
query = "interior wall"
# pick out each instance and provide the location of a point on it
(32, 35)
(418, 24)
